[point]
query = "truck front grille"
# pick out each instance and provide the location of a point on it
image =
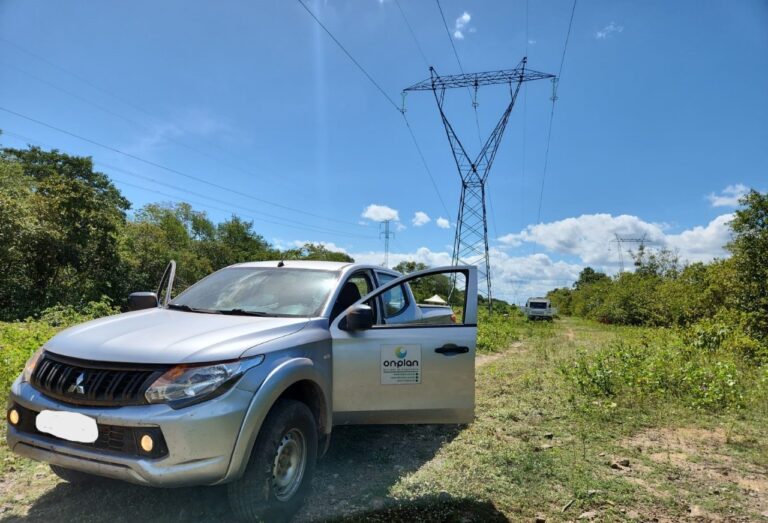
(84, 382)
(112, 438)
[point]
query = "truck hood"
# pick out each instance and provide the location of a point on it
(171, 337)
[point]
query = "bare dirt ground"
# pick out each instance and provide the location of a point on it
(351, 483)
(693, 460)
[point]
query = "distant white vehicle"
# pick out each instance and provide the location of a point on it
(539, 309)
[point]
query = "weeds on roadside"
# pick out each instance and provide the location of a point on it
(666, 366)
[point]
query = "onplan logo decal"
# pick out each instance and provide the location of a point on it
(400, 364)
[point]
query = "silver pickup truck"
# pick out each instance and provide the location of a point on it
(240, 378)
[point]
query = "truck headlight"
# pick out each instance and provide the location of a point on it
(184, 385)
(29, 368)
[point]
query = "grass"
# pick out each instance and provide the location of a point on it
(539, 446)
(507, 457)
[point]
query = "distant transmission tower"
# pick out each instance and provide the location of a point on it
(386, 234)
(619, 241)
(471, 242)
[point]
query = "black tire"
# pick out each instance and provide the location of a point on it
(74, 476)
(259, 494)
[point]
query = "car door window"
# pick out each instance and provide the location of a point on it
(393, 301)
(440, 300)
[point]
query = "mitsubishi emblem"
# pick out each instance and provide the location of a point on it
(77, 386)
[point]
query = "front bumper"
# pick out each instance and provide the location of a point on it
(200, 439)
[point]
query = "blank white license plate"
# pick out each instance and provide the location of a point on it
(70, 426)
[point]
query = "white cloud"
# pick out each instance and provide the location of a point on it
(420, 218)
(400, 227)
(380, 213)
(515, 278)
(587, 236)
(531, 42)
(590, 237)
(461, 22)
(443, 223)
(609, 30)
(703, 243)
(728, 197)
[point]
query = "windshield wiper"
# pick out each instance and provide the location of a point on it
(187, 308)
(242, 312)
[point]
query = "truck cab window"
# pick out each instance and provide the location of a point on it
(356, 286)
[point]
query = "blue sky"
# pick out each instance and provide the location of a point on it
(661, 108)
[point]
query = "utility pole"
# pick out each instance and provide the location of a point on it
(470, 245)
(386, 234)
(619, 241)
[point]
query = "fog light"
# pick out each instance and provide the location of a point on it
(147, 444)
(13, 416)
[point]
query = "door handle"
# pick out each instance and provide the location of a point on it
(451, 349)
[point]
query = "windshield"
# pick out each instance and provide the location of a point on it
(260, 291)
(539, 305)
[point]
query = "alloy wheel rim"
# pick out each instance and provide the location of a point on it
(290, 462)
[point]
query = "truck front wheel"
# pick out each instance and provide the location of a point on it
(279, 472)
(74, 476)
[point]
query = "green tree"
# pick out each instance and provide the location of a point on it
(407, 267)
(162, 232)
(588, 276)
(235, 241)
(750, 257)
(318, 252)
(70, 218)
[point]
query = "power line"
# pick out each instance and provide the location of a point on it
(525, 124)
(205, 205)
(169, 169)
(139, 125)
(458, 61)
(298, 225)
(426, 167)
(76, 76)
(527, 39)
(387, 97)
(413, 35)
(555, 82)
(362, 69)
(110, 94)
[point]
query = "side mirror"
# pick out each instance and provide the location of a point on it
(142, 300)
(360, 318)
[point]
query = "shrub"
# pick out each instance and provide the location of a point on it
(661, 366)
(19, 340)
(497, 331)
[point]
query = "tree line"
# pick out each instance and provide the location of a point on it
(725, 300)
(67, 237)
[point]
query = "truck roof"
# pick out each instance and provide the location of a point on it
(317, 265)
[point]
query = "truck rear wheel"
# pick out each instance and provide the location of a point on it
(279, 473)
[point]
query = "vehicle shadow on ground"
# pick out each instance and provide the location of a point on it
(351, 484)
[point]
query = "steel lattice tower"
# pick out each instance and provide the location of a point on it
(471, 242)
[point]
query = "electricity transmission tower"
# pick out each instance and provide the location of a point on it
(619, 241)
(471, 242)
(386, 234)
